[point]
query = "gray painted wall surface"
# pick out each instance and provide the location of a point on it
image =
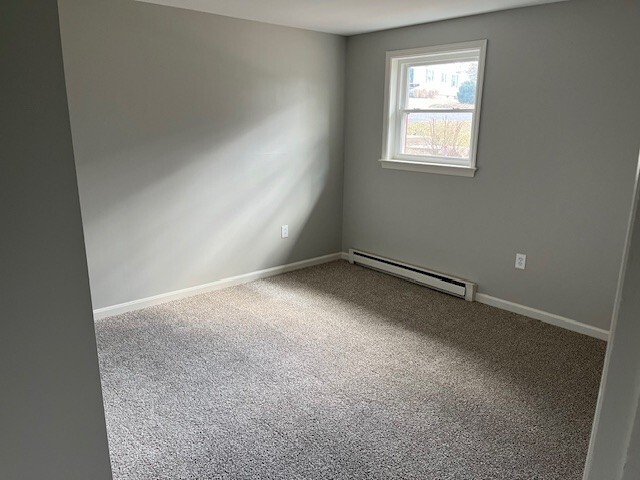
(615, 446)
(632, 465)
(51, 417)
(196, 137)
(557, 151)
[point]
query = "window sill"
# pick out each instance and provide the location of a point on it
(428, 167)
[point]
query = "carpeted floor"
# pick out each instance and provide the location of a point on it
(338, 372)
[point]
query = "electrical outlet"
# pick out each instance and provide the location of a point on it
(284, 231)
(521, 261)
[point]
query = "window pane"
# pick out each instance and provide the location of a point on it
(438, 134)
(445, 86)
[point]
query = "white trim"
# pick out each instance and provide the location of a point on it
(104, 312)
(396, 63)
(439, 110)
(604, 381)
(543, 316)
(546, 317)
(460, 171)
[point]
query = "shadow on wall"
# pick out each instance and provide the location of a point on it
(196, 137)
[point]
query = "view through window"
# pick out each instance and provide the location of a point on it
(439, 110)
(433, 102)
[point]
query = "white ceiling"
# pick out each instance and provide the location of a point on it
(347, 17)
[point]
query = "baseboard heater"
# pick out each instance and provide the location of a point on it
(436, 280)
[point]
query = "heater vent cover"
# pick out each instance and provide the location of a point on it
(429, 278)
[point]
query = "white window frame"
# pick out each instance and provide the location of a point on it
(395, 98)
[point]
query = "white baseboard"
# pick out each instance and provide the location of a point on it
(543, 316)
(210, 287)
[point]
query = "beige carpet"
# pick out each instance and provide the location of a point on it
(341, 372)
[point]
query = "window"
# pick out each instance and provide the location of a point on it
(432, 104)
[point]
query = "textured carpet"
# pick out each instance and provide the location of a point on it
(341, 372)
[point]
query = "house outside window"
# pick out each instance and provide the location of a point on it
(432, 120)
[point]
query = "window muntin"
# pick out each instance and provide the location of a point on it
(433, 102)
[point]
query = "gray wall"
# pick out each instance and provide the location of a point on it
(556, 156)
(51, 416)
(615, 440)
(632, 465)
(614, 452)
(196, 137)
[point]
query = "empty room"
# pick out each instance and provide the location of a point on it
(354, 239)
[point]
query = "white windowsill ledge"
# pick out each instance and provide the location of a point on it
(428, 167)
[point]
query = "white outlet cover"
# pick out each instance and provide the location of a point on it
(284, 231)
(521, 261)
